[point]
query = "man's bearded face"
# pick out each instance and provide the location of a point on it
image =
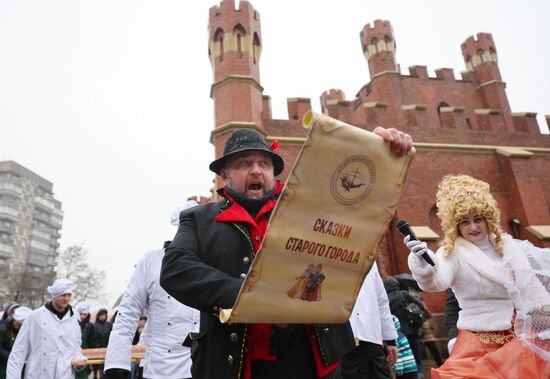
(249, 173)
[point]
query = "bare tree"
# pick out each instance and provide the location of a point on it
(73, 264)
(27, 284)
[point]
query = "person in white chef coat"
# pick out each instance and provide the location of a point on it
(168, 323)
(49, 339)
(374, 332)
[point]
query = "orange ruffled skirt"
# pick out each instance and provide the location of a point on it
(491, 355)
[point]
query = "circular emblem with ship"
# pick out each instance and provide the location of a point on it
(353, 180)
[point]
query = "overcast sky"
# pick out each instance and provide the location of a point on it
(109, 99)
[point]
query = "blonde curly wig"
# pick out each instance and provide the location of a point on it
(461, 195)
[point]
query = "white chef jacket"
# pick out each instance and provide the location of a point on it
(47, 344)
(168, 324)
(371, 319)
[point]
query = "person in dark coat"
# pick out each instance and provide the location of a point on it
(7, 337)
(102, 328)
(428, 338)
(399, 299)
(88, 333)
(9, 309)
(451, 318)
(205, 265)
(8, 333)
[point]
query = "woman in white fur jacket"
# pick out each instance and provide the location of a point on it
(494, 281)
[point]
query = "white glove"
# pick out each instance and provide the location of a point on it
(451, 344)
(544, 335)
(417, 248)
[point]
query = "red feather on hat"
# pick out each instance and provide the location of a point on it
(274, 146)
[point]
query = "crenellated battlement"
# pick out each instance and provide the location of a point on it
(234, 48)
(525, 122)
(418, 71)
(377, 38)
(330, 99)
(266, 107)
(234, 32)
(227, 18)
(380, 29)
(378, 44)
(332, 94)
(334, 104)
(227, 9)
(445, 73)
(483, 41)
(479, 50)
(421, 72)
(297, 107)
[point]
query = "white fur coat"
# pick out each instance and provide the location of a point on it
(488, 292)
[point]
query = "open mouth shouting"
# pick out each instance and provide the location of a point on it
(255, 189)
(249, 174)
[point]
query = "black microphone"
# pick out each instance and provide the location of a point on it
(405, 229)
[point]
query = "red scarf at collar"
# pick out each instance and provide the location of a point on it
(257, 226)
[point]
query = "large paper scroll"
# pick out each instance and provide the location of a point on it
(325, 230)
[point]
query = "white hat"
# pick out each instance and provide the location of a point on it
(60, 287)
(82, 307)
(175, 218)
(21, 314)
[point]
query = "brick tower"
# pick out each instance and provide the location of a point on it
(234, 47)
(480, 56)
(378, 45)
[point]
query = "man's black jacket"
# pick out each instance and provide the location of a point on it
(202, 269)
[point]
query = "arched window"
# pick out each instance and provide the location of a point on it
(493, 53)
(256, 48)
(374, 42)
(469, 63)
(389, 43)
(239, 33)
(218, 38)
(441, 105)
(239, 47)
(479, 53)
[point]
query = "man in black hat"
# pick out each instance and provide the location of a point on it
(209, 257)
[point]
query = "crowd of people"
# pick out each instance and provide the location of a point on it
(173, 300)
